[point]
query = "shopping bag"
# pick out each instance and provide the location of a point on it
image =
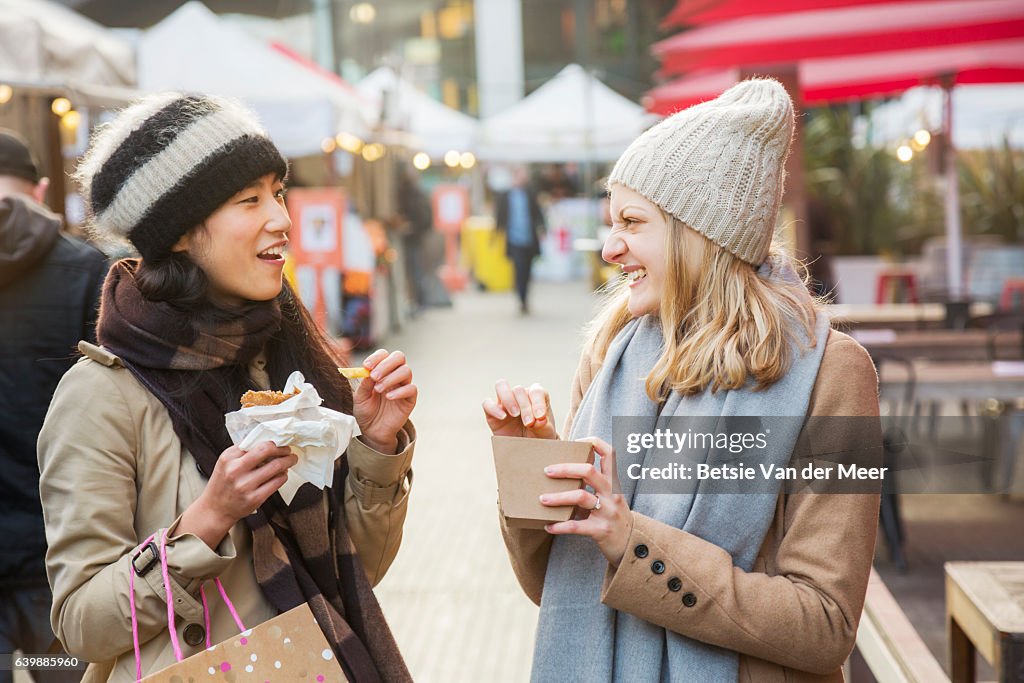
(288, 648)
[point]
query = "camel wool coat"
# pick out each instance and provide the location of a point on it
(793, 618)
(113, 472)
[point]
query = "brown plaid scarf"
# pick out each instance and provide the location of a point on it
(195, 364)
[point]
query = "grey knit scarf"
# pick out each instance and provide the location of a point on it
(580, 639)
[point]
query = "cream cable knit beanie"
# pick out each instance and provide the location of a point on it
(718, 166)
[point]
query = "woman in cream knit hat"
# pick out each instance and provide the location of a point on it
(661, 581)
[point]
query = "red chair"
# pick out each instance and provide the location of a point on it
(1011, 287)
(887, 278)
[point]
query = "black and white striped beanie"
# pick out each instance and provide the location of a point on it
(167, 162)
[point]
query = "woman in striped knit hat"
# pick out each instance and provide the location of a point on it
(135, 443)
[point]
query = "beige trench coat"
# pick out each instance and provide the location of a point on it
(794, 617)
(113, 472)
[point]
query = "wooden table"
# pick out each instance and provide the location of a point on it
(985, 611)
(979, 345)
(954, 380)
(972, 381)
(905, 316)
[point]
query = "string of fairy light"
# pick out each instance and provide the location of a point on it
(374, 151)
(70, 118)
(918, 143)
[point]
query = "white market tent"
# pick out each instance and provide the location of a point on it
(194, 50)
(44, 43)
(572, 117)
(435, 128)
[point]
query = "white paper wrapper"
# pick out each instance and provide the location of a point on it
(317, 435)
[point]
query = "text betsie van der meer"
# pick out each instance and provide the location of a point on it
(735, 443)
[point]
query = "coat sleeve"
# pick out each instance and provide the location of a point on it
(528, 549)
(377, 499)
(87, 453)
(805, 615)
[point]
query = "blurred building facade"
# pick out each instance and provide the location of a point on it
(478, 56)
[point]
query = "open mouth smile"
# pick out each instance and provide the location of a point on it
(634, 276)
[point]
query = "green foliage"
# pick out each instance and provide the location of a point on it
(878, 205)
(992, 192)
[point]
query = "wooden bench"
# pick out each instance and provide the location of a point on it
(985, 612)
(889, 648)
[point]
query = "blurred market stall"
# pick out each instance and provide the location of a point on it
(436, 129)
(195, 50)
(572, 117)
(57, 68)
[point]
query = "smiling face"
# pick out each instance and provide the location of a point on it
(239, 246)
(637, 244)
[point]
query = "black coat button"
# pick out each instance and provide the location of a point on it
(658, 567)
(689, 599)
(675, 585)
(194, 634)
(640, 551)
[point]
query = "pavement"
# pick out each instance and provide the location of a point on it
(451, 597)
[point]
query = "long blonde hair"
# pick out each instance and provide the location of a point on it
(722, 324)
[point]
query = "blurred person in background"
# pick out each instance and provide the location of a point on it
(49, 293)
(519, 217)
(418, 216)
(709, 319)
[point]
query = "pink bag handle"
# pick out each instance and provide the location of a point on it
(170, 605)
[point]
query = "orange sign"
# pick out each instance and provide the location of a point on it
(451, 208)
(315, 248)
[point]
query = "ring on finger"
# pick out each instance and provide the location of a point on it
(597, 505)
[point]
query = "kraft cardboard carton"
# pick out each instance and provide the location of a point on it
(519, 464)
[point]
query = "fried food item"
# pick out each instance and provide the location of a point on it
(354, 373)
(251, 399)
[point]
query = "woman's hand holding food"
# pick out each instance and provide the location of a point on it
(608, 520)
(384, 400)
(241, 482)
(520, 411)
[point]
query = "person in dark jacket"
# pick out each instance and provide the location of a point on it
(49, 290)
(414, 207)
(519, 217)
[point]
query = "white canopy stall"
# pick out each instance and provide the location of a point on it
(193, 50)
(51, 57)
(572, 117)
(435, 128)
(45, 43)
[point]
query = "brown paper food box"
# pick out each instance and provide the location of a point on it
(286, 649)
(520, 465)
